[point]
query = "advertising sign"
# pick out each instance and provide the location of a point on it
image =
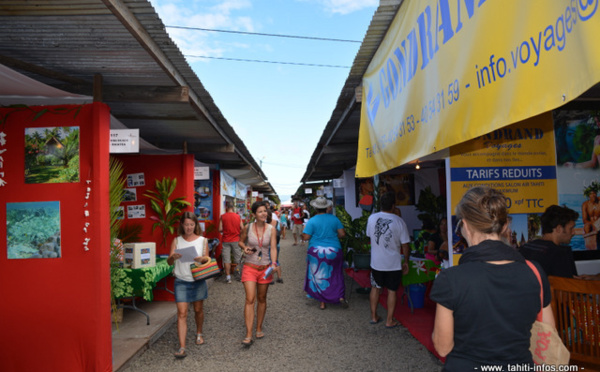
(518, 160)
(452, 70)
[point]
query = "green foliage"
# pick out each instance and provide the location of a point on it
(356, 233)
(118, 278)
(167, 210)
(431, 205)
(71, 172)
(130, 233)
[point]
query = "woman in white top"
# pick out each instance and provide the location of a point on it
(188, 290)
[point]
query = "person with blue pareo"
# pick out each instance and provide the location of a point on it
(325, 259)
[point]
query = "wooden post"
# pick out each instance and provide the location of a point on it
(97, 88)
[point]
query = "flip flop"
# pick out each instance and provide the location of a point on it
(344, 303)
(199, 339)
(247, 342)
(260, 335)
(375, 321)
(392, 326)
(180, 354)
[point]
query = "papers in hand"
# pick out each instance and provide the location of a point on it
(187, 254)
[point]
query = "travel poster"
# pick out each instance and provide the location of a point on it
(203, 200)
(519, 160)
(577, 135)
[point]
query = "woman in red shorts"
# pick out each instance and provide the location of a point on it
(258, 240)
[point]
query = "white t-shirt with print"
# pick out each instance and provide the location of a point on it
(387, 232)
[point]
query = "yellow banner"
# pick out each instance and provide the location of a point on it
(451, 70)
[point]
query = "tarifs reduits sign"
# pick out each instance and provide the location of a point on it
(451, 70)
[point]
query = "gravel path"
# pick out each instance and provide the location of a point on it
(299, 336)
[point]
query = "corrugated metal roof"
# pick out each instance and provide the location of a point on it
(145, 78)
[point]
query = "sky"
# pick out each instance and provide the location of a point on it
(278, 110)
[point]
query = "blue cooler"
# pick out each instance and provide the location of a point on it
(417, 295)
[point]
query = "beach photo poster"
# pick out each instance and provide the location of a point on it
(577, 135)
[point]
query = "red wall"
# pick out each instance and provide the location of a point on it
(156, 167)
(55, 314)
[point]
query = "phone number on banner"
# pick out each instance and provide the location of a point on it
(432, 108)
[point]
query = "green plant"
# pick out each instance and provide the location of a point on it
(130, 233)
(118, 278)
(167, 210)
(431, 205)
(356, 233)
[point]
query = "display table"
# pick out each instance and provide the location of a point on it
(141, 282)
(420, 270)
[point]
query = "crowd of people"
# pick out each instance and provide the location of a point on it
(504, 300)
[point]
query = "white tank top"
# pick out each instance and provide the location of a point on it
(182, 269)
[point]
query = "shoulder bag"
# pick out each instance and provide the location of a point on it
(546, 346)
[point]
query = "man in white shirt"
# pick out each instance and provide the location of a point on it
(389, 234)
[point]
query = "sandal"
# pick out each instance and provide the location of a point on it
(199, 339)
(260, 335)
(247, 342)
(344, 303)
(180, 354)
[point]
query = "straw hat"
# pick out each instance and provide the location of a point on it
(321, 203)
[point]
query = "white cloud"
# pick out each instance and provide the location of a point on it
(219, 15)
(346, 6)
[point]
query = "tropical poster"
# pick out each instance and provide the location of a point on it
(33, 230)
(203, 201)
(577, 134)
(52, 155)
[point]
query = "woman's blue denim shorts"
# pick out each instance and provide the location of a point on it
(190, 291)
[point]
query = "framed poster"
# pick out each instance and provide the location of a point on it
(52, 155)
(33, 230)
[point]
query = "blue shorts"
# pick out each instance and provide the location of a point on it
(190, 291)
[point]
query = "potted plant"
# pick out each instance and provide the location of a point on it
(167, 210)
(356, 244)
(432, 206)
